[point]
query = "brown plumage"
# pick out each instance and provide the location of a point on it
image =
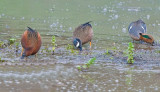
(83, 32)
(31, 42)
(147, 38)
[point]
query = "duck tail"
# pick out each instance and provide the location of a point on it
(87, 24)
(30, 29)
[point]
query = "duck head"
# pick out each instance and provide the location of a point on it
(77, 43)
(27, 52)
(23, 55)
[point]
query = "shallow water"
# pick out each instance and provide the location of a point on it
(58, 72)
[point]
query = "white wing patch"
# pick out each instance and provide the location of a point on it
(130, 28)
(77, 45)
(143, 28)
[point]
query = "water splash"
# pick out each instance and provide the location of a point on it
(124, 30)
(148, 17)
(22, 18)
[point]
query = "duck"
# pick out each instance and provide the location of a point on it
(31, 42)
(135, 28)
(147, 38)
(82, 35)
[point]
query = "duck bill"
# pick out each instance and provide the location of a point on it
(23, 55)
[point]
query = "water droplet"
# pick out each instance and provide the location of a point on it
(156, 88)
(70, 28)
(22, 18)
(154, 25)
(124, 30)
(7, 26)
(44, 21)
(32, 19)
(116, 17)
(51, 26)
(95, 24)
(13, 18)
(2, 14)
(134, 9)
(117, 81)
(120, 4)
(67, 9)
(148, 17)
(61, 26)
(113, 27)
(104, 10)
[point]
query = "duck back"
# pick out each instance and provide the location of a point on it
(135, 28)
(84, 32)
(31, 42)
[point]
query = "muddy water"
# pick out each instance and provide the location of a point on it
(58, 72)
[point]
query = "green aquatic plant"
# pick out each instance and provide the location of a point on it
(129, 77)
(71, 48)
(1, 44)
(157, 51)
(87, 65)
(107, 52)
(53, 43)
(12, 41)
(17, 46)
(130, 53)
(47, 49)
(1, 60)
(88, 78)
(111, 57)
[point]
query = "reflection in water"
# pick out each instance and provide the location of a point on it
(67, 78)
(129, 77)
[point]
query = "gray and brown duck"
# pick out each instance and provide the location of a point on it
(135, 28)
(31, 42)
(82, 34)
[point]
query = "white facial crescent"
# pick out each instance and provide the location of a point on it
(77, 45)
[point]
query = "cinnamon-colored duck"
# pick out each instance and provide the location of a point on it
(146, 38)
(82, 34)
(135, 28)
(31, 42)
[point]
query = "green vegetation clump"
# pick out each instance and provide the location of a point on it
(1, 44)
(47, 49)
(88, 78)
(71, 48)
(107, 52)
(53, 43)
(87, 65)
(1, 60)
(17, 46)
(130, 53)
(12, 41)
